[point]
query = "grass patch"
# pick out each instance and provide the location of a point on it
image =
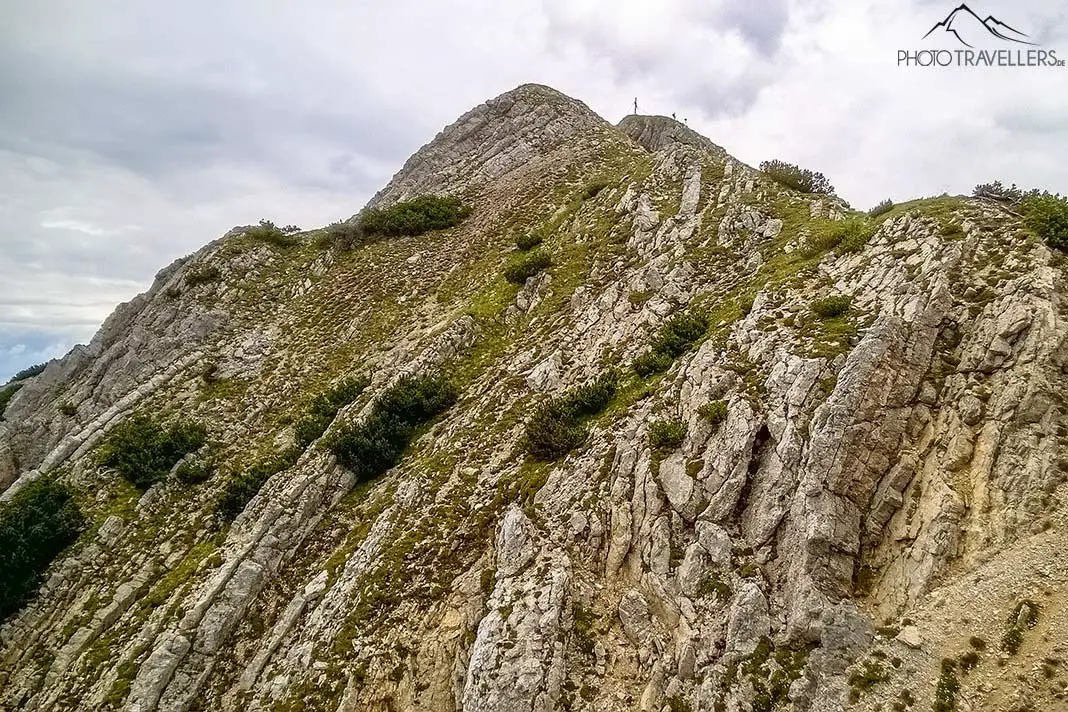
(665, 435)
(715, 412)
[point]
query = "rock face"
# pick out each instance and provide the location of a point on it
(855, 497)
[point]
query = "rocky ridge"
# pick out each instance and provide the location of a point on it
(884, 489)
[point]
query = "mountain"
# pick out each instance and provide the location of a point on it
(961, 23)
(714, 444)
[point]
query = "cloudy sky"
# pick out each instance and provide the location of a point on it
(131, 133)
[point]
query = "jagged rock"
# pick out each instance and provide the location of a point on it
(913, 443)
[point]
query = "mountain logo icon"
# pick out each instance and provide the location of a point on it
(963, 23)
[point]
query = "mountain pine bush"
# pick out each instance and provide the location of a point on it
(415, 216)
(36, 524)
(558, 425)
(800, 179)
(677, 336)
(143, 450)
(372, 446)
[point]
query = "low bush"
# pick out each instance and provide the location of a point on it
(371, 447)
(881, 209)
(558, 425)
(270, 233)
(35, 370)
(240, 489)
(528, 241)
(849, 235)
(6, 394)
(667, 434)
(143, 450)
(800, 179)
(1046, 215)
(194, 471)
(345, 235)
(36, 524)
(414, 217)
(999, 192)
(201, 274)
(521, 270)
(715, 412)
(67, 408)
(677, 336)
(832, 307)
(324, 407)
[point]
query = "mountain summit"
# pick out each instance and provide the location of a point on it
(573, 417)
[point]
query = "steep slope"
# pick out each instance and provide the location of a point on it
(850, 472)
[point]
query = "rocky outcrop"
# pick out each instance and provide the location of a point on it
(843, 479)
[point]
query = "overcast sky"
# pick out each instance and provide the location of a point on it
(131, 133)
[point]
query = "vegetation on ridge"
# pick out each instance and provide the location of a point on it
(143, 450)
(36, 524)
(375, 444)
(559, 424)
(677, 336)
(408, 218)
(800, 179)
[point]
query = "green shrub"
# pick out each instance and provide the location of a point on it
(558, 425)
(715, 412)
(677, 336)
(30, 372)
(371, 447)
(528, 241)
(800, 179)
(414, 217)
(201, 274)
(976, 642)
(6, 394)
(36, 524)
(881, 209)
(667, 434)
(651, 362)
(832, 307)
(945, 697)
(240, 489)
(67, 408)
(344, 235)
(143, 451)
(1046, 215)
(997, 191)
(194, 471)
(270, 233)
(324, 407)
(519, 271)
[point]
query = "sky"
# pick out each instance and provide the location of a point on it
(132, 133)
